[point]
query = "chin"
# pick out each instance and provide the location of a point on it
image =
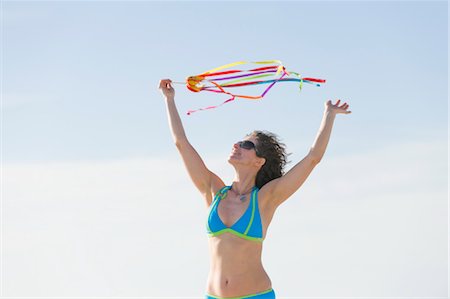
(232, 159)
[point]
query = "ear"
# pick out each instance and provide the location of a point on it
(260, 162)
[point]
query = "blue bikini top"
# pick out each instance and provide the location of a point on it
(248, 226)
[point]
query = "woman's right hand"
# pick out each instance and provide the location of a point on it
(165, 85)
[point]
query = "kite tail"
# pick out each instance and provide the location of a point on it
(211, 107)
(239, 78)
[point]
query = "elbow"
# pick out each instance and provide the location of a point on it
(315, 159)
(180, 143)
(314, 156)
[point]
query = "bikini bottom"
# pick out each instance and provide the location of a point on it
(269, 294)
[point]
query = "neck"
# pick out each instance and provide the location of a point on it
(244, 181)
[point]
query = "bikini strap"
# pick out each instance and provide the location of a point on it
(254, 190)
(222, 192)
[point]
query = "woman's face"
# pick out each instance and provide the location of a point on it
(247, 156)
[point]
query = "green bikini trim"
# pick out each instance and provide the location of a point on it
(241, 297)
(253, 213)
(235, 233)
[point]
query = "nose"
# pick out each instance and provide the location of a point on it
(236, 145)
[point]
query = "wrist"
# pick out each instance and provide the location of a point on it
(330, 112)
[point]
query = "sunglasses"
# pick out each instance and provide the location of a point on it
(247, 144)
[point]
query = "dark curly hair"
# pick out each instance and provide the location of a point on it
(270, 148)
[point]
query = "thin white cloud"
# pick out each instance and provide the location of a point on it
(17, 99)
(133, 227)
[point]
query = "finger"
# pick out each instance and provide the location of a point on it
(338, 102)
(164, 82)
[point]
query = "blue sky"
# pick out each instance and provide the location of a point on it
(85, 126)
(85, 72)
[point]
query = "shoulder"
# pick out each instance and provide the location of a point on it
(216, 185)
(265, 198)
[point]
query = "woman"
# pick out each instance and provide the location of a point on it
(240, 214)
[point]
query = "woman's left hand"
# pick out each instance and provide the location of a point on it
(335, 108)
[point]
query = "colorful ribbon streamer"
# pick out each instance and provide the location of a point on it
(219, 81)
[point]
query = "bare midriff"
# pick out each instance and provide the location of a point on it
(236, 267)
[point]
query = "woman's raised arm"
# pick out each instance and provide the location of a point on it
(282, 188)
(206, 182)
